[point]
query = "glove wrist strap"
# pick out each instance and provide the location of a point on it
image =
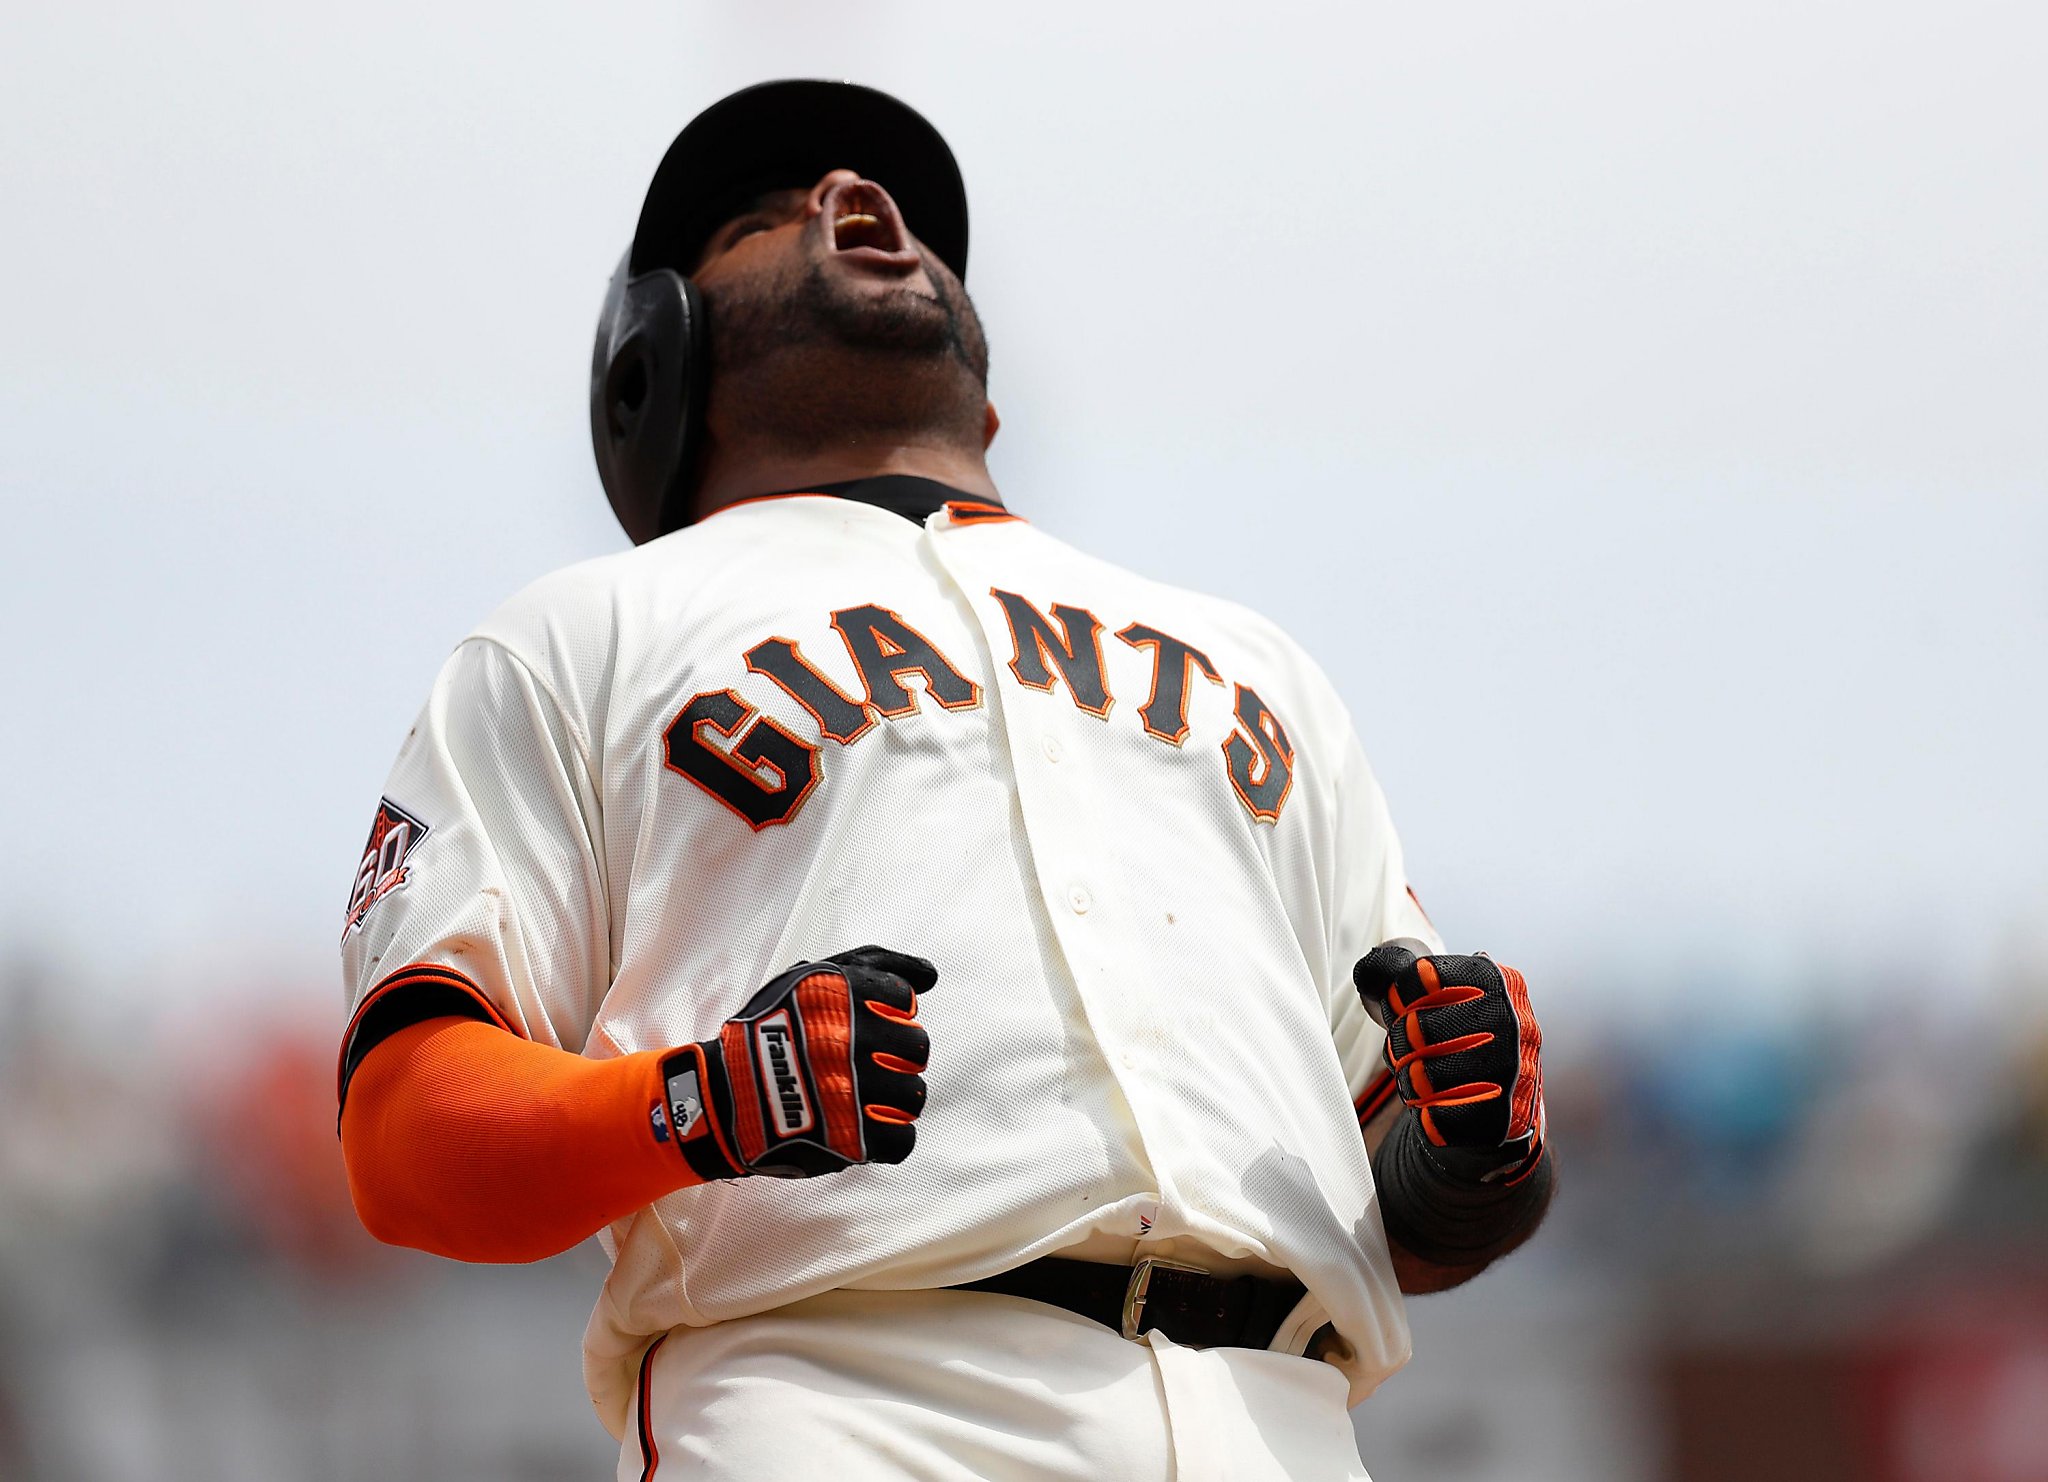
(697, 1095)
(1445, 1217)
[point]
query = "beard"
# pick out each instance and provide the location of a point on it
(800, 362)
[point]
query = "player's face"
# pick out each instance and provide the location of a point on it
(833, 266)
(854, 221)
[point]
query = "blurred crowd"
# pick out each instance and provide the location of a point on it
(1806, 1245)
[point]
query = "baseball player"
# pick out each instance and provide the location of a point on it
(972, 991)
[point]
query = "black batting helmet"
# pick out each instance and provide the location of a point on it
(647, 377)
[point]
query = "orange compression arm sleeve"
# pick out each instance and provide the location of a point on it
(467, 1141)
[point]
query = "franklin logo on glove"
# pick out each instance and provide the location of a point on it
(822, 1069)
(785, 1089)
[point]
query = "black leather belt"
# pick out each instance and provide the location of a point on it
(1193, 1308)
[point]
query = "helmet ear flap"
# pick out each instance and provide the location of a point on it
(625, 390)
(647, 398)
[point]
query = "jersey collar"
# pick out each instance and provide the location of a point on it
(914, 498)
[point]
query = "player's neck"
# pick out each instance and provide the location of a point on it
(741, 475)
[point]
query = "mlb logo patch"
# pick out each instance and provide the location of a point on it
(393, 837)
(685, 1106)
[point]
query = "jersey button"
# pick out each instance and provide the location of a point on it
(1079, 899)
(1053, 751)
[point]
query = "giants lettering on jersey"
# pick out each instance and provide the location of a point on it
(764, 773)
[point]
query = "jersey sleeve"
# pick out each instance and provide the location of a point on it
(481, 890)
(1371, 901)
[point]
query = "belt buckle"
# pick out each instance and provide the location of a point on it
(1141, 1282)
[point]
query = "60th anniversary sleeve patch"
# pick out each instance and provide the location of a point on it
(393, 837)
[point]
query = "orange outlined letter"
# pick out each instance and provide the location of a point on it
(1165, 712)
(1259, 757)
(734, 776)
(1039, 650)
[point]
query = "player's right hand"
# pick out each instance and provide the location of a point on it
(820, 1070)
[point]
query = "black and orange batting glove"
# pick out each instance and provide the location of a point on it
(822, 1069)
(1463, 1174)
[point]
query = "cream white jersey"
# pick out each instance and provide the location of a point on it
(1131, 825)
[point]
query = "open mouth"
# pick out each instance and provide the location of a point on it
(864, 229)
(867, 227)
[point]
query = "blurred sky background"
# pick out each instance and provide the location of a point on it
(1638, 409)
(1642, 411)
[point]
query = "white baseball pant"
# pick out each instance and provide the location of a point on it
(942, 1386)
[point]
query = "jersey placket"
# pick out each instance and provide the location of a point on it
(1083, 906)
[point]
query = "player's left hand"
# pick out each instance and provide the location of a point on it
(1466, 1053)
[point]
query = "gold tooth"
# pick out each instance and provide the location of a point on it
(861, 217)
